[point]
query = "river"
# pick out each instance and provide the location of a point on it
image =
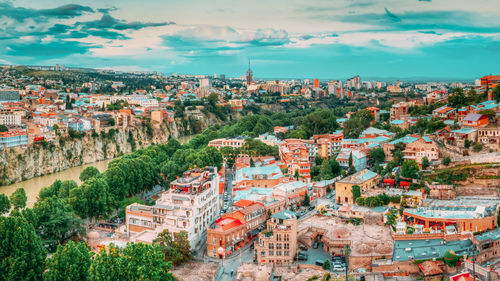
(34, 185)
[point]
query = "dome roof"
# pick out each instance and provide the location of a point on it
(341, 231)
(93, 235)
(362, 248)
(383, 248)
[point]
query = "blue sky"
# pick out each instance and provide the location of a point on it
(328, 39)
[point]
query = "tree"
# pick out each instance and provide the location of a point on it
(137, 261)
(4, 204)
(70, 262)
(446, 161)
(176, 249)
(477, 147)
(356, 192)
(306, 201)
(409, 169)
(326, 265)
(88, 173)
(144, 262)
(496, 92)
(358, 122)
(425, 162)
(376, 156)
(3, 128)
(296, 174)
(22, 255)
(106, 265)
(91, 199)
(18, 198)
(56, 222)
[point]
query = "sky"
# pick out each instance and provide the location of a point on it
(326, 39)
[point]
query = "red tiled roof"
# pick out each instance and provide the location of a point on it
(243, 203)
(227, 223)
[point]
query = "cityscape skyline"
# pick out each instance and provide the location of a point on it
(282, 39)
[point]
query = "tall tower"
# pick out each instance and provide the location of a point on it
(249, 74)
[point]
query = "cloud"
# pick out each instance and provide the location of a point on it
(66, 11)
(223, 40)
(109, 22)
(22, 14)
(41, 48)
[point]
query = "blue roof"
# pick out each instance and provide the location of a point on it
(464, 131)
(406, 139)
(397, 122)
(427, 139)
(430, 248)
(271, 172)
(285, 215)
(449, 122)
(380, 209)
(489, 235)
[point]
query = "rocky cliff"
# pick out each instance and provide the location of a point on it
(19, 164)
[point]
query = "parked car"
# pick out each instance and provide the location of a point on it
(320, 262)
(311, 208)
(316, 245)
(338, 268)
(302, 258)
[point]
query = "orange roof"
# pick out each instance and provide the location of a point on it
(243, 203)
(12, 134)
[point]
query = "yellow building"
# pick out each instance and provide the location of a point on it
(365, 179)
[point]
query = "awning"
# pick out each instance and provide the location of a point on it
(388, 181)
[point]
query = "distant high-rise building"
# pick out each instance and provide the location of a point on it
(354, 82)
(316, 84)
(215, 75)
(222, 76)
(249, 74)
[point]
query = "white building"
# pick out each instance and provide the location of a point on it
(10, 119)
(191, 205)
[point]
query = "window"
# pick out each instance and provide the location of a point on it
(263, 253)
(278, 253)
(278, 246)
(286, 246)
(271, 246)
(286, 253)
(271, 253)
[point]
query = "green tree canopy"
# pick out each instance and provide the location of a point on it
(18, 198)
(376, 156)
(176, 249)
(137, 261)
(409, 169)
(4, 204)
(88, 173)
(358, 122)
(22, 255)
(91, 199)
(56, 222)
(70, 262)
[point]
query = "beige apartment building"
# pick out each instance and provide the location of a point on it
(278, 244)
(365, 179)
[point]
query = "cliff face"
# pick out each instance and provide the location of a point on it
(21, 164)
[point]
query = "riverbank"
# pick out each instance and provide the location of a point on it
(34, 185)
